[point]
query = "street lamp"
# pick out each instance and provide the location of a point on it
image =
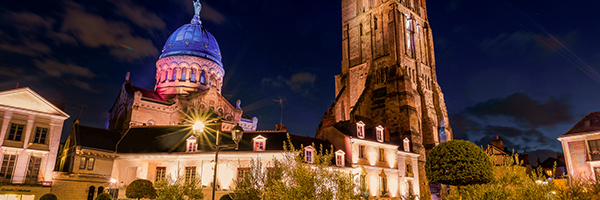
(236, 134)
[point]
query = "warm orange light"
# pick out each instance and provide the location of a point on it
(198, 126)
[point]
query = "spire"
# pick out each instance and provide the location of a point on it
(197, 9)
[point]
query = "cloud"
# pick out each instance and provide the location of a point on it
(58, 70)
(29, 21)
(299, 80)
(519, 42)
(525, 111)
(515, 138)
(30, 48)
(211, 14)
(138, 15)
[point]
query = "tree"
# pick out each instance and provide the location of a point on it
(292, 178)
(140, 188)
(458, 162)
(48, 196)
(179, 189)
(104, 196)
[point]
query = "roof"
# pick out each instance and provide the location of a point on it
(549, 163)
(589, 123)
(96, 138)
(349, 128)
(165, 139)
(150, 94)
(27, 99)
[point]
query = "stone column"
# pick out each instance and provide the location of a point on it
(5, 123)
(53, 142)
(23, 159)
(28, 130)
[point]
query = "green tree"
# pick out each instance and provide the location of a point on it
(104, 196)
(140, 188)
(458, 162)
(48, 196)
(179, 189)
(292, 178)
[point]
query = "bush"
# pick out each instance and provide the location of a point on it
(104, 196)
(140, 188)
(49, 196)
(458, 162)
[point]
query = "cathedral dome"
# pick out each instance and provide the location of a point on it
(194, 40)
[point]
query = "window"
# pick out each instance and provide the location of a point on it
(82, 163)
(309, 152)
(183, 74)
(8, 165)
(339, 158)
(192, 146)
(259, 143)
(406, 144)
(16, 131)
(379, 132)
(166, 75)
(383, 184)
(113, 192)
(375, 23)
(203, 77)
(242, 173)
(381, 155)
(594, 149)
(91, 192)
(160, 174)
(410, 36)
(360, 129)
(90, 163)
(409, 170)
(193, 75)
(40, 135)
(190, 174)
(361, 151)
(100, 190)
(174, 74)
(33, 169)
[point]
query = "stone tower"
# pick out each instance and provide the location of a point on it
(388, 74)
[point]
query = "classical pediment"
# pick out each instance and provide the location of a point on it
(27, 99)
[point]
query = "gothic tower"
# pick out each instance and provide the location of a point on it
(388, 74)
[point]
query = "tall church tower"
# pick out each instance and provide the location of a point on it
(388, 74)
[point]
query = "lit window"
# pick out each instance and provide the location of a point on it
(16, 131)
(379, 131)
(174, 74)
(360, 129)
(594, 149)
(90, 163)
(183, 74)
(383, 185)
(190, 174)
(33, 169)
(193, 75)
(160, 174)
(309, 154)
(259, 143)
(339, 158)
(82, 163)
(242, 173)
(166, 75)
(40, 135)
(361, 151)
(409, 170)
(191, 144)
(381, 155)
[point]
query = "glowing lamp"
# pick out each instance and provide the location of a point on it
(236, 133)
(198, 127)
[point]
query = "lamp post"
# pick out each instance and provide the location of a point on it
(236, 134)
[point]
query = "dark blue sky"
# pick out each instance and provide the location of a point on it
(524, 70)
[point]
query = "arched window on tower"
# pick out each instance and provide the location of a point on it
(410, 36)
(166, 75)
(183, 74)
(174, 75)
(193, 75)
(203, 77)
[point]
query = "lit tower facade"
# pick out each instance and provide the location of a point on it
(388, 75)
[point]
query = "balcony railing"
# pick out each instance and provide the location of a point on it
(595, 157)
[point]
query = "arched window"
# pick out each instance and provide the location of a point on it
(379, 132)
(174, 75)
(193, 75)
(166, 75)
(183, 74)
(309, 154)
(100, 190)
(360, 129)
(91, 192)
(203, 77)
(210, 80)
(339, 158)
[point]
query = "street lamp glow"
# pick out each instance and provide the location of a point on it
(198, 126)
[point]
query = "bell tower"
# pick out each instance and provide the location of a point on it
(388, 74)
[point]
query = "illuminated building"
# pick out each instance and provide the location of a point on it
(581, 147)
(31, 129)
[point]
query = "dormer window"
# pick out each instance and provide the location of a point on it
(191, 145)
(360, 129)
(259, 143)
(406, 144)
(309, 154)
(339, 158)
(379, 132)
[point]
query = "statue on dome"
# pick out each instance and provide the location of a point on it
(197, 7)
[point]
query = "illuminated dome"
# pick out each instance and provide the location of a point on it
(194, 40)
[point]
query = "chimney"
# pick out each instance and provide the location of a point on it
(280, 127)
(537, 162)
(497, 142)
(525, 158)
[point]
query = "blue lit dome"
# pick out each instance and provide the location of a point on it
(194, 40)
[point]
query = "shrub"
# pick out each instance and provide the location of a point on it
(49, 196)
(458, 162)
(140, 188)
(104, 196)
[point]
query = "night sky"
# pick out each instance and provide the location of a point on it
(524, 70)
